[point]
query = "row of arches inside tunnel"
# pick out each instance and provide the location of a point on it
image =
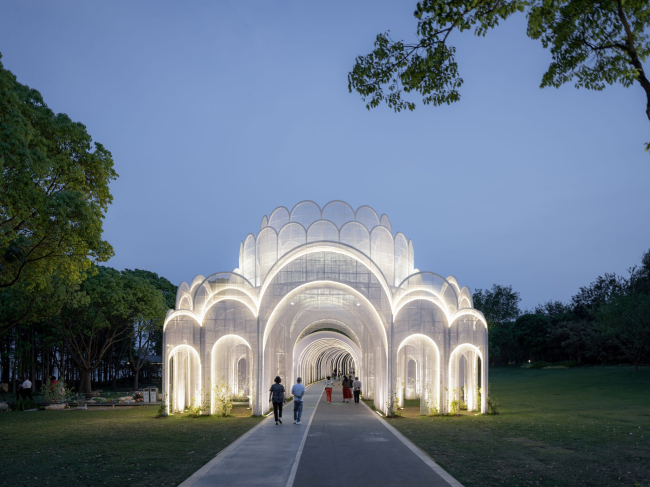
(418, 374)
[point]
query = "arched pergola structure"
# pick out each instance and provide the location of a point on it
(319, 289)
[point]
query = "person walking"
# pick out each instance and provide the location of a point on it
(329, 383)
(356, 389)
(346, 389)
(4, 388)
(298, 392)
(18, 385)
(26, 389)
(276, 396)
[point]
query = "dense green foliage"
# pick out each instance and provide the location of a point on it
(54, 193)
(592, 43)
(104, 330)
(606, 322)
(579, 427)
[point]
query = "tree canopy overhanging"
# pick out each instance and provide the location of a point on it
(593, 43)
(54, 190)
(54, 193)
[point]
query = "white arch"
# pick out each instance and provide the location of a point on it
(316, 284)
(191, 351)
(181, 312)
(238, 340)
(437, 386)
(454, 361)
(432, 299)
(469, 311)
(314, 247)
(212, 301)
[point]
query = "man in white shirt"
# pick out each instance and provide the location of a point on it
(26, 389)
(298, 392)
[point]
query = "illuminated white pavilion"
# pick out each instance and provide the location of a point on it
(323, 289)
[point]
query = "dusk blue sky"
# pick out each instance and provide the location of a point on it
(216, 112)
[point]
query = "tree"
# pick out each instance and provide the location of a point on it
(499, 305)
(531, 334)
(604, 289)
(148, 324)
(102, 313)
(593, 43)
(626, 321)
(54, 193)
(580, 339)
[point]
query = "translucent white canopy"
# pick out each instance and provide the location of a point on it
(307, 222)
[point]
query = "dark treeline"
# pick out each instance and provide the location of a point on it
(99, 336)
(606, 322)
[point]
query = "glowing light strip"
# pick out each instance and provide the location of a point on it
(424, 298)
(270, 322)
(334, 247)
(212, 301)
(460, 349)
(469, 311)
(198, 358)
(181, 312)
(437, 373)
(242, 341)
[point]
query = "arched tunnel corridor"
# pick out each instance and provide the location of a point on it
(323, 352)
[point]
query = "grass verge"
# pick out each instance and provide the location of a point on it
(559, 427)
(115, 446)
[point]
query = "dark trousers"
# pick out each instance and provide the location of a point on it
(26, 393)
(277, 410)
(356, 396)
(297, 410)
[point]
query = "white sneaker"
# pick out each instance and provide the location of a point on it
(294, 421)
(298, 422)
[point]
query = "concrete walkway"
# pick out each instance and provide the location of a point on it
(265, 455)
(337, 445)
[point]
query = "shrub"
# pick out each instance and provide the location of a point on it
(162, 409)
(196, 409)
(392, 407)
(55, 393)
(222, 399)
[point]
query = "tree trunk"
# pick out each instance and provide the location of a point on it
(636, 367)
(85, 381)
(136, 376)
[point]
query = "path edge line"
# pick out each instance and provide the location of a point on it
(296, 461)
(424, 456)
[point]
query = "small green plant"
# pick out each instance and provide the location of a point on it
(196, 409)
(431, 403)
(222, 399)
(463, 403)
(454, 404)
(392, 407)
(493, 405)
(162, 409)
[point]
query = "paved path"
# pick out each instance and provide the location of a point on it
(349, 444)
(337, 445)
(261, 456)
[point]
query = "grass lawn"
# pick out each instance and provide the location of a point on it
(562, 427)
(116, 446)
